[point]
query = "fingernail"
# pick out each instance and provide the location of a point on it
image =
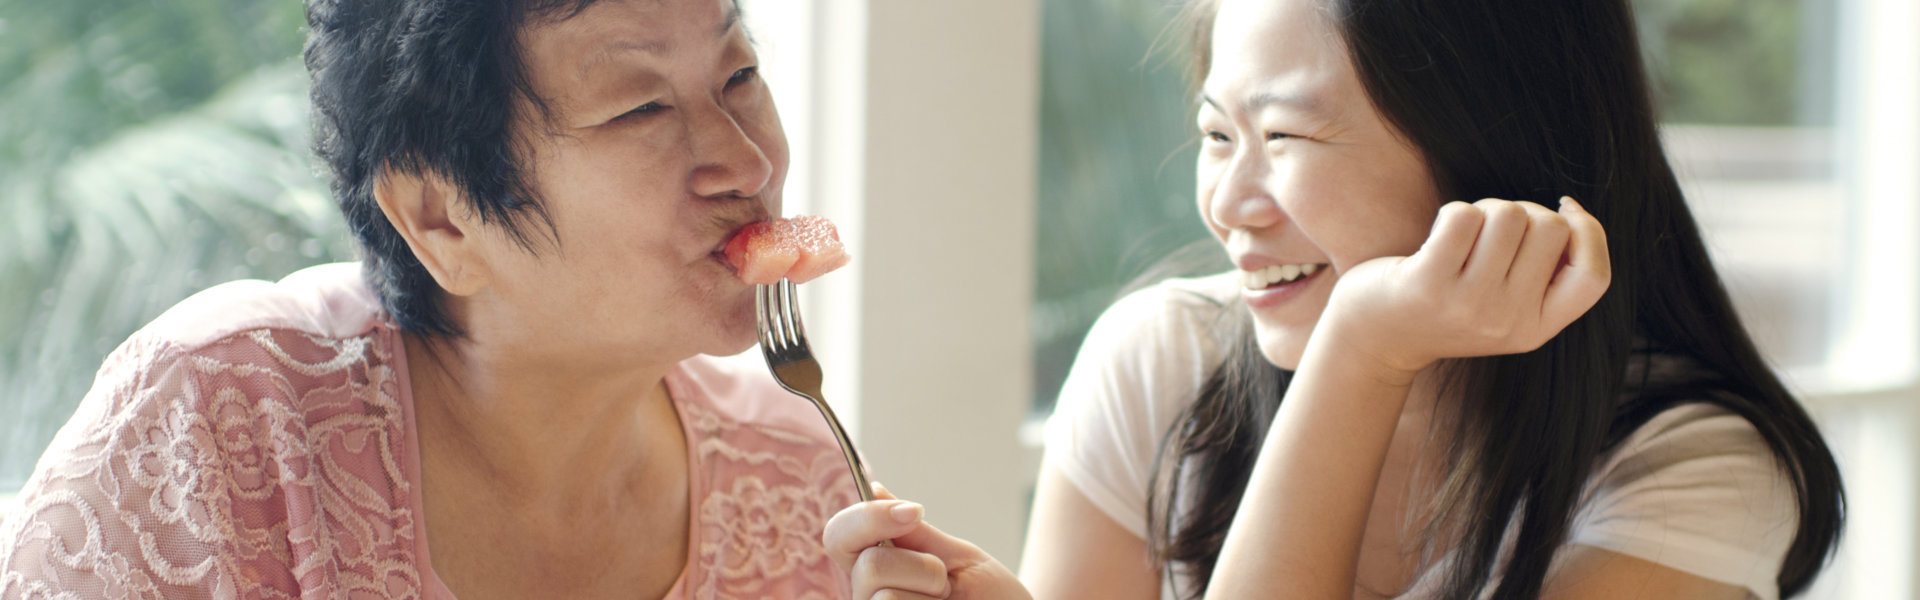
(907, 512)
(1565, 200)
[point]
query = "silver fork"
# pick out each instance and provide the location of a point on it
(783, 340)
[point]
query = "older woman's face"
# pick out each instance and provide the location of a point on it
(1297, 170)
(663, 140)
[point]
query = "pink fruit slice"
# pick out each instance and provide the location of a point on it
(799, 249)
(820, 249)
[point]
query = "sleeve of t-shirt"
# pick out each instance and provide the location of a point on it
(1695, 489)
(1141, 364)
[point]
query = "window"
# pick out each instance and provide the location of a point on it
(1116, 170)
(149, 151)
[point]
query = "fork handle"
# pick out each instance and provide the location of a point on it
(854, 463)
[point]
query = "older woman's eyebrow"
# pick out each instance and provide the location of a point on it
(653, 47)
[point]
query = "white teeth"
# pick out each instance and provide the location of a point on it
(1265, 277)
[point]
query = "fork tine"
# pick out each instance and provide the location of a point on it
(783, 341)
(782, 317)
(791, 307)
(762, 321)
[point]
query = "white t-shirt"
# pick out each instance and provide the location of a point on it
(1695, 489)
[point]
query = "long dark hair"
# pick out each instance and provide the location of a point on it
(1520, 99)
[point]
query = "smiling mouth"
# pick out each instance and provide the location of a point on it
(1278, 275)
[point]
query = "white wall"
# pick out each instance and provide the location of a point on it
(916, 131)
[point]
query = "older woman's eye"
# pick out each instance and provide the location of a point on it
(743, 76)
(642, 110)
(1275, 136)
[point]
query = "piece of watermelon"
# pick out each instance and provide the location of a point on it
(798, 249)
(820, 249)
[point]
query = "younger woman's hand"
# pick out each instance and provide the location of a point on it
(1494, 277)
(923, 562)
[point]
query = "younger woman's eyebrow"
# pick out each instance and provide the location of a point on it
(1259, 100)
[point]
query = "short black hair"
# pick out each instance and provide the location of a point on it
(423, 86)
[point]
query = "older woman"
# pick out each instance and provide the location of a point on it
(508, 397)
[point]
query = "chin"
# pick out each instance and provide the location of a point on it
(732, 345)
(734, 331)
(1282, 348)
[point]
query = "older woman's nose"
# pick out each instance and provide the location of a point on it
(727, 161)
(1241, 199)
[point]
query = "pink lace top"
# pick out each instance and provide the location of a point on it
(257, 441)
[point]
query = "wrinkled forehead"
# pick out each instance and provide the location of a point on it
(572, 56)
(582, 32)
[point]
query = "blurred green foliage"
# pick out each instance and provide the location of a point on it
(1116, 167)
(147, 151)
(1738, 62)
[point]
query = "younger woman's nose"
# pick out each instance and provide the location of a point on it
(1241, 200)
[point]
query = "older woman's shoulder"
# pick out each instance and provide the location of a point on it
(212, 437)
(251, 350)
(331, 301)
(739, 389)
(766, 476)
(316, 328)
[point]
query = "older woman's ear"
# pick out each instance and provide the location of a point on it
(425, 209)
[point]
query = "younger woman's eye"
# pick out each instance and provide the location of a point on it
(1216, 136)
(742, 76)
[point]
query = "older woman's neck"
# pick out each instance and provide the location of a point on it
(544, 432)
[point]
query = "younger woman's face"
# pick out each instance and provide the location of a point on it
(1299, 177)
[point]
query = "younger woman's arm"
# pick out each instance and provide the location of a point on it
(1074, 550)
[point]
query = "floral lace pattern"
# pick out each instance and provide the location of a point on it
(770, 492)
(276, 460)
(262, 465)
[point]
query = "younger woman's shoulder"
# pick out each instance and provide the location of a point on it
(1204, 297)
(1171, 311)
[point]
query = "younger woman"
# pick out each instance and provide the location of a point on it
(1398, 395)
